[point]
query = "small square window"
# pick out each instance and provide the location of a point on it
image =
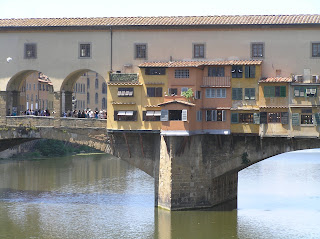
(198, 51)
(316, 49)
(30, 51)
(85, 50)
(141, 51)
(257, 50)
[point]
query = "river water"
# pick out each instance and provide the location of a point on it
(99, 196)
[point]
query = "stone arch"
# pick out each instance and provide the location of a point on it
(15, 87)
(67, 89)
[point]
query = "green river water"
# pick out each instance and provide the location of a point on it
(99, 196)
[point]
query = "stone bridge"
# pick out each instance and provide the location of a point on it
(190, 172)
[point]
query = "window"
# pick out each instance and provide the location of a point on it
(303, 91)
(155, 71)
(306, 116)
(173, 91)
(184, 89)
(274, 117)
(249, 93)
(236, 71)
(128, 115)
(96, 98)
(215, 71)
(216, 93)
(181, 73)
(198, 95)
(151, 115)
(154, 91)
(104, 88)
(175, 114)
(88, 98)
(88, 83)
(30, 51)
(274, 91)
(96, 84)
(199, 115)
(198, 51)
(125, 92)
(257, 49)
(236, 93)
(215, 115)
(141, 51)
(316, 49)
(85, 50)
(245, 117)
(250, 71)
(104, 104)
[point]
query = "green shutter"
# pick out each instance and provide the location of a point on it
(256, 118)
(317, 117)
(263, 118)
(283, 91)
(266, 91)
(295, 119)
(234, 118)
(284, 118)
(247, 93)
(247, 71)
(237, 94)
(253, 71)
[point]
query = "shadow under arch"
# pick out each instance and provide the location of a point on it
(67, 88)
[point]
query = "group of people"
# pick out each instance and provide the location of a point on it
(97, 114)
(30, 112)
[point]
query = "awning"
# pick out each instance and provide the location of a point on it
(150, 113)
(157, 113)
(121, 113)
(129, 112)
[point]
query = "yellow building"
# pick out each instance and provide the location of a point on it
(245, 97)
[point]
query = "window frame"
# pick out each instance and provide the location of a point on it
(318, 49)
(249, 93)
(196, 50)
(140, 53)
(216, 71)
(154, 71)
(181, 74)
(154, 91)
(125, 89)
(87, 54)
(33, 51)
(237, 94)
(237, 71)
(255, 51)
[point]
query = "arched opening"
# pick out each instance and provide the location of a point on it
(30, 92)
(82, 90)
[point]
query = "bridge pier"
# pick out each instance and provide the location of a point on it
(186, 178)
(3, 108)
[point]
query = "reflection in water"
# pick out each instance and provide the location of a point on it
(99, 196)
(76, 197)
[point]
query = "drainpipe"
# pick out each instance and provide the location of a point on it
(111, 48)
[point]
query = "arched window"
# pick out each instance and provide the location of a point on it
(88, 98)
(96, 98)
(104, 88)
(104, 105)
(97, 83)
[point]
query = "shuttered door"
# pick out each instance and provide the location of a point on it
(184, 115)
(256, 118)
(295, 119)
(164, 115)
(284, 118)
(263, 118)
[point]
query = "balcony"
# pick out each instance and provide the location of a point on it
(124, 77)
(223, 81)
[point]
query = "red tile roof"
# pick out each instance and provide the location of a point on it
(164, 21)
(200, 63)
(276, 79)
